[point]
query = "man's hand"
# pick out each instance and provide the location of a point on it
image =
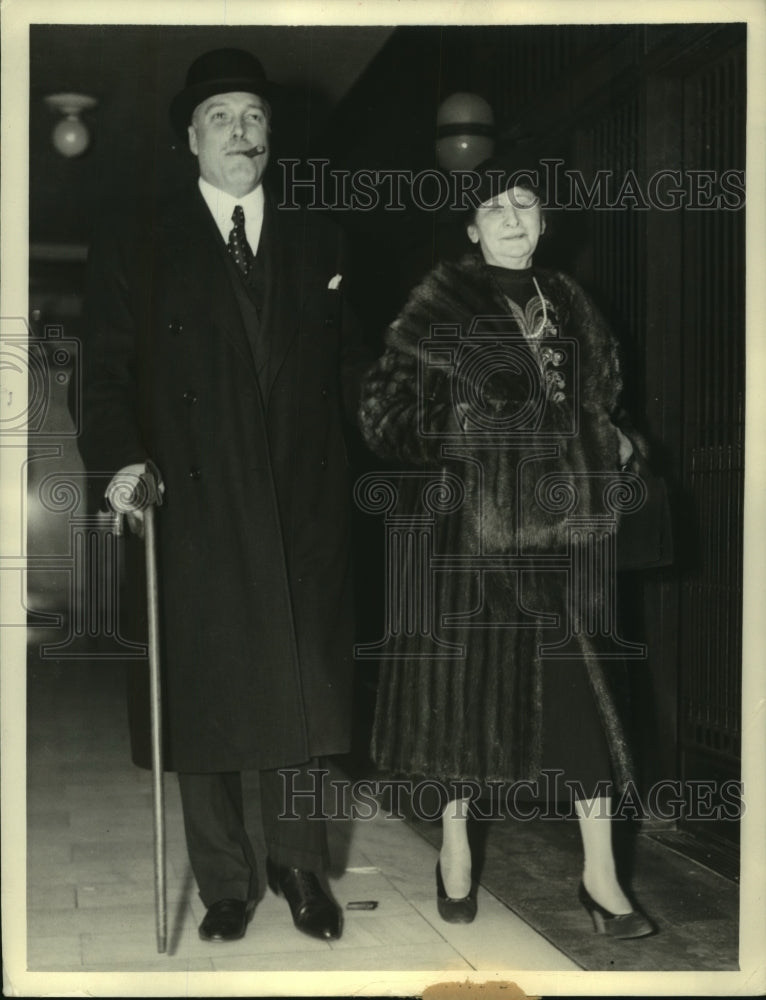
(126, 494)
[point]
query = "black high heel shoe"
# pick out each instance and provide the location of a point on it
(616, 925)
(454, 911)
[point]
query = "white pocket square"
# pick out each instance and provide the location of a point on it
(335, 282)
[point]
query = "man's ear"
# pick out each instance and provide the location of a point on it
(473, 233)
(193, 139)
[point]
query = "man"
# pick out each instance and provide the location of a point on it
(218, 346)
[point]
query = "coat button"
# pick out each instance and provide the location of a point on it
(325, 393)
(190, 396)
(175, 327)
(323, 463)
(195, 473)
(329, 322)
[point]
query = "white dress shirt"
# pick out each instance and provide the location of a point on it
(222, 206)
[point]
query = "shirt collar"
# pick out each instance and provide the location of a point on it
(221, 205)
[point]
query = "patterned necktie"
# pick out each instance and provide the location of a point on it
(239, 248)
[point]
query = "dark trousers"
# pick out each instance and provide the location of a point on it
(220, 852)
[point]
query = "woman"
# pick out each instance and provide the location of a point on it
(514, 404)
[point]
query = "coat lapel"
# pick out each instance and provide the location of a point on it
(198, 256)
(285, 270)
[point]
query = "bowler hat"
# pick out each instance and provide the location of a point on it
(222, 71)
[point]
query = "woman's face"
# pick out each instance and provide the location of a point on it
(508, 227)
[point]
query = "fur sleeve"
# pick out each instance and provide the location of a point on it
(393, 413)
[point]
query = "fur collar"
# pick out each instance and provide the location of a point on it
(455, 293)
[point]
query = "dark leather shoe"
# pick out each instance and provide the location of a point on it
(227, 920)
(313, 911)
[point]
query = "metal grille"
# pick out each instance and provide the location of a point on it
(713, 337)
(535, 57)
(619, 262)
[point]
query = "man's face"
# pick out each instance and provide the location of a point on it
(508, 227)
(224, 128)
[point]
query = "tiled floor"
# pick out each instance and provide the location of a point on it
(90, 869)
(91, 896)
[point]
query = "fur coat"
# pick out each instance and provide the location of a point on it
(510, 411)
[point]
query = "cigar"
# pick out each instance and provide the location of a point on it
(255, 151)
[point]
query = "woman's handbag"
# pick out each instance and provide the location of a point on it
(645, 537)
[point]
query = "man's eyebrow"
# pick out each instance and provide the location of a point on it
(257, 105)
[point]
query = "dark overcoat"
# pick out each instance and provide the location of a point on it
(254, 550)
(517, 473)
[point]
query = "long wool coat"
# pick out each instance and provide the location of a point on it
(254, 551)
(479, 716)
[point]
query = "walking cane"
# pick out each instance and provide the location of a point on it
(148, 496)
